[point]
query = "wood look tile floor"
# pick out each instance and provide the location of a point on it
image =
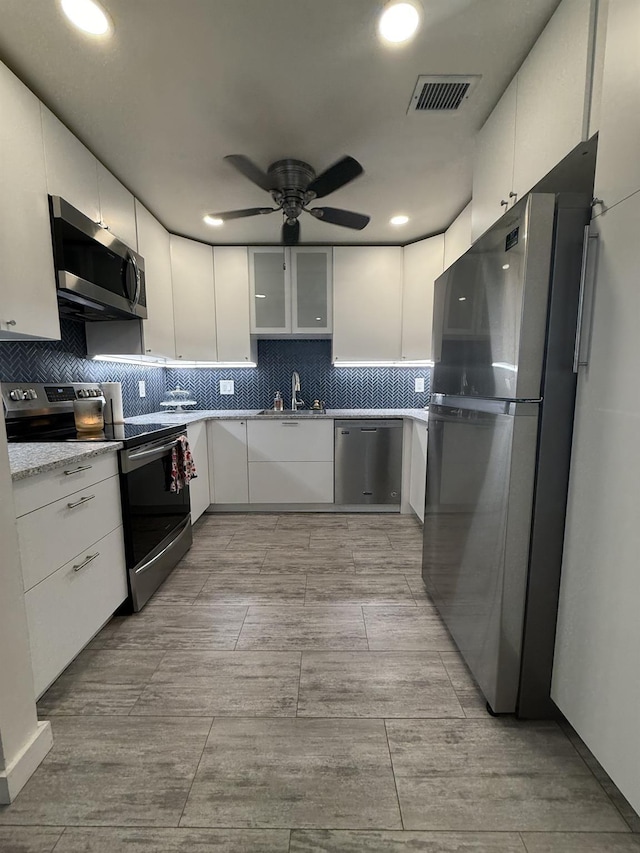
(291, 689)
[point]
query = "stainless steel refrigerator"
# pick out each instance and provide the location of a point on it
(498, 454)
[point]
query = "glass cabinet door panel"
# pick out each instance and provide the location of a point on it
(311, 272)
(270, 308)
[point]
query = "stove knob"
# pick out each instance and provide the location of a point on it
(31, 394)
(17, 394)
(82, 393)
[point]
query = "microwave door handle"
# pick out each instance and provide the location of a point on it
(136, 270)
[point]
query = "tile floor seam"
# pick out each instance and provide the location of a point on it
(244, 619)
(64, 829)
(204, 747)
(393, 773)
(364, 622)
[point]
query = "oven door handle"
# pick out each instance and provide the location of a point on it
(145, 453)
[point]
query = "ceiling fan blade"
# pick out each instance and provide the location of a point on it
(335, 176)
(240, 214)
(249, 169)
(346, 218)
(291, 233)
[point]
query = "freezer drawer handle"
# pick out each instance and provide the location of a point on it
(367, 493)
(78, 470)
(83, 500)
(86, 561)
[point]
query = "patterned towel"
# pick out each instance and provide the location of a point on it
(183, 468)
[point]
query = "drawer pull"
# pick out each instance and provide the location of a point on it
(290, 423)
(86, 561)
(83, 500)
(78, 470)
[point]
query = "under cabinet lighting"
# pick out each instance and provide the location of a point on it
(140, 360)
(209, 365)
(87, 16)
(402, 363)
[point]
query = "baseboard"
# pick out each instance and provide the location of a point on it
(15, 777)
(283, 508)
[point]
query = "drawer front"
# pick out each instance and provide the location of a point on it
(290, 482)
(54, 534)
(42, 489)
(69, 607)
(290, 440)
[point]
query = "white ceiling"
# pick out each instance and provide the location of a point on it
(181, 83)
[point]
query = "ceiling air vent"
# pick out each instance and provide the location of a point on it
(442, 93)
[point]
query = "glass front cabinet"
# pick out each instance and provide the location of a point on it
(291, 290)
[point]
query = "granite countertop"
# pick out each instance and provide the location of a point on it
(29, 459)
(191, 417)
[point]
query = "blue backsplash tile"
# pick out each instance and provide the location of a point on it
(66, 361)
(340, 388)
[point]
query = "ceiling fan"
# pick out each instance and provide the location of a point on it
(293, 186)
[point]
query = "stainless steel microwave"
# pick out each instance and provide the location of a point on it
(98, 276)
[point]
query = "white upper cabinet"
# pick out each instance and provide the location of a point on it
(291, 290)
(193, 300)
(270, 291)
(423, 263)
(231, 275)
(117, 207)
(554, 93)
(618, 163)
(28, 302)
(154, 245)
(493, 163)
(367, 303)
(311, 290)
(542, 116)
(72, 170)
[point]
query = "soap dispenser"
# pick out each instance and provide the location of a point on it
(278, 402)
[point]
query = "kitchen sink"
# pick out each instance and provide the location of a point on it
(288, 414)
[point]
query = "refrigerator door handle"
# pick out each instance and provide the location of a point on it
(587, 271)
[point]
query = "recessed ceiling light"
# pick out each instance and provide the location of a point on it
(87, 16)
(505, 266)
(212, 220)
(462, 298)
(261, 295)
(399, 220)
(399, 22)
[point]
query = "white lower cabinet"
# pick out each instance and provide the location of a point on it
(290, 461)
(290, 482)
(199, 487)
(68, 608)
(228, 472)
(72, 554)
(418, 479)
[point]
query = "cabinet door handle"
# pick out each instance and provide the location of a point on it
(504, 203)
(290, 423)
(84, 500)
(78, 470)
(86, 561)
(10, 322)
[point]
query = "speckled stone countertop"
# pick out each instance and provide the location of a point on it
(29, 459)
(246, 414)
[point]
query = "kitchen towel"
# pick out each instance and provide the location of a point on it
(183, 468)
(113, 411)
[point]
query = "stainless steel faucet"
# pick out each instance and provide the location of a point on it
(295, 388)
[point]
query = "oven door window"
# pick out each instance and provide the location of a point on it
(153, 511)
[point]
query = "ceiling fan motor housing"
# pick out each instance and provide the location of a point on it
(290, 181)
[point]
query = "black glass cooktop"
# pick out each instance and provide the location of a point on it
(130, 435)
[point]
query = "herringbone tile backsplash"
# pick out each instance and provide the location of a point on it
(339, 388)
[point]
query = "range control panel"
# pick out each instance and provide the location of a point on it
(31, 396)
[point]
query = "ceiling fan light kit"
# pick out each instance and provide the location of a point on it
(293, 186)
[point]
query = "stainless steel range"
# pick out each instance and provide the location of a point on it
(157, 521)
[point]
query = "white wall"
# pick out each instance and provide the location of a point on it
(596, 680)
(457, 237)
(23, 741)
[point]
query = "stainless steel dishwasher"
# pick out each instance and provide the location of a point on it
(368, 462)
